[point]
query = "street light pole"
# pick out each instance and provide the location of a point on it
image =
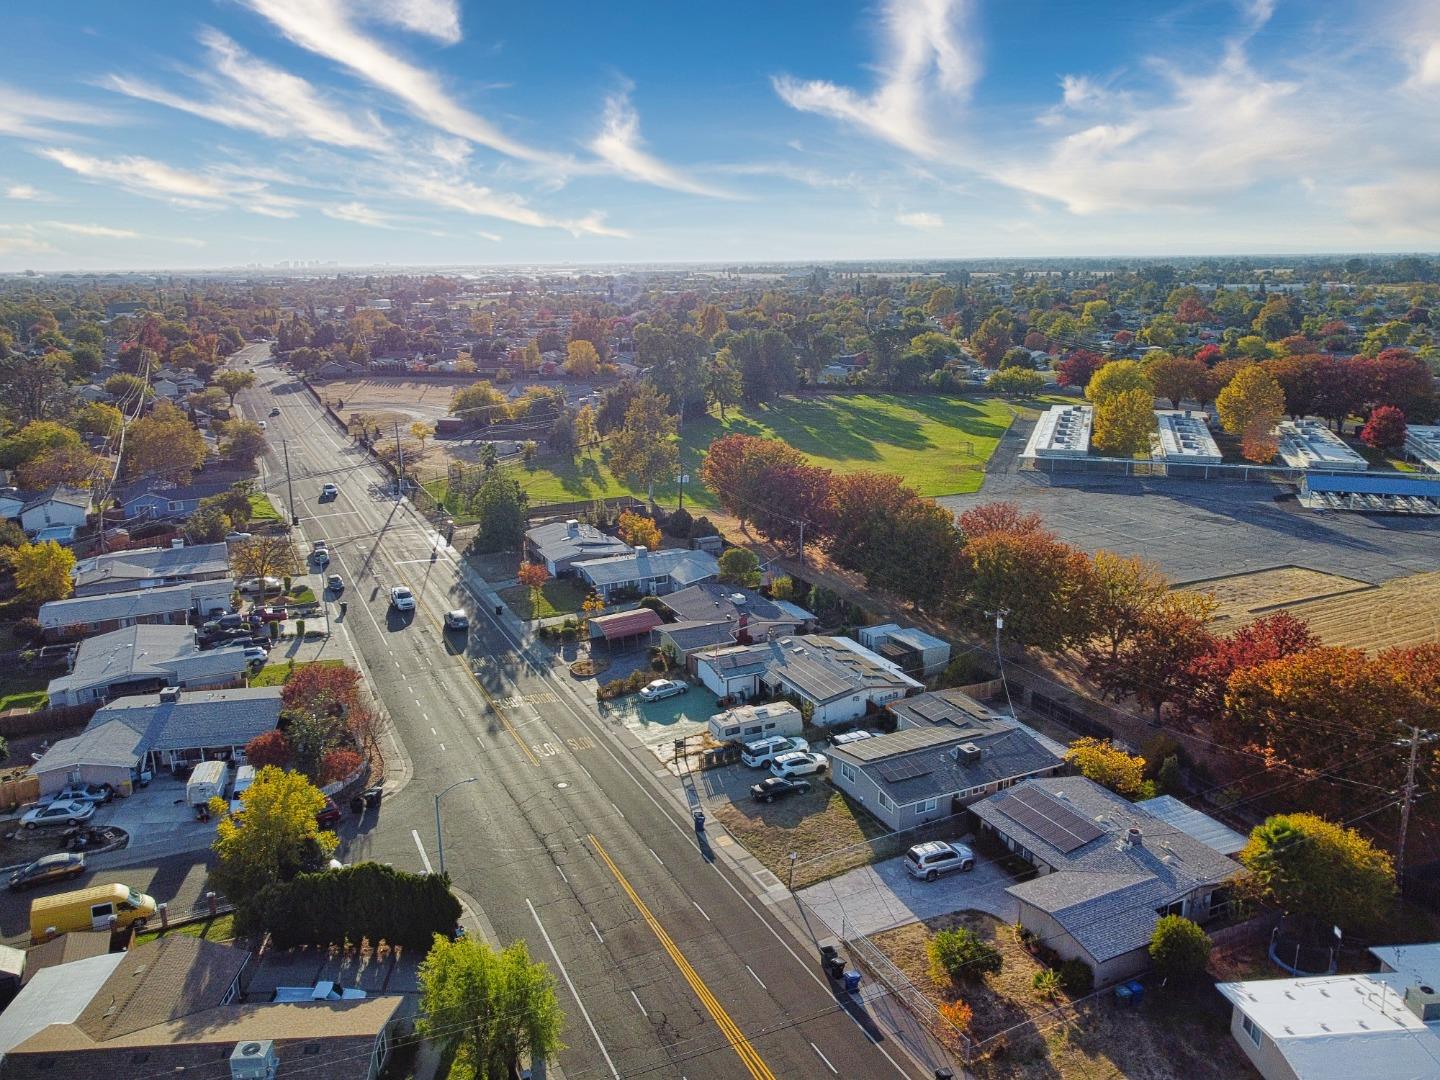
(440, 836)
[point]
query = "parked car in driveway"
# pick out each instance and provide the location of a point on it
(798, 764)
(936, 857)
(60, 867)
(773, 787)
(93, 793)
(273, 613)
(255, 585)
(254, 654)
(59, 813)
(661, 689)
(761, 752)
(402, 599)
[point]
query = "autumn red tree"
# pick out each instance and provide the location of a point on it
(857, 514)
(1043, 584)
(532, 575)
(1385, 430)
(1077, 367)
(797, 496)
(337, 765)
(1399, 378)
(739, 470)
(1177, 377)
(321, 690)
(1154, 662)
(1209, 355)
(271, 748)
(999, 517)
(1271, 637)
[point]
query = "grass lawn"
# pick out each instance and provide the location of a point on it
(1382, 459)
(301, 594)
(814, 824)
(559, 596)
(23, 690)
(261, 511)
(938, 444)
(276, 674)
(220, 928)
(1172, 1034)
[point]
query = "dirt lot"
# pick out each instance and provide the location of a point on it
(1240, 597)
(406, 400)
(1096, 1040)
(1403, 611)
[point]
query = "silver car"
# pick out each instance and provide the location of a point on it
(59, 813)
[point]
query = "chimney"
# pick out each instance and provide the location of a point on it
(572, 528)
(967, 753)
(742, 632)
(1133, 836)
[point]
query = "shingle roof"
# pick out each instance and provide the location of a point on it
(68, 495)
(827, 668)
(555, 543)
(56, 996)
(112, 744)
(161, 981)
(197, 718)
(948, 709)
(928, 765)
(142, 650)
(200, 486)
(129, 568)
(103, 607)
(681, 565)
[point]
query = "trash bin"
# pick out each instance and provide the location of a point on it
(372, 796)
(1122, 994)
(852, 981)
(1137, 990)
(357, 804)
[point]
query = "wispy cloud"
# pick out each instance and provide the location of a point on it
(155, 179)
(243, 91)
(1404, 206)
(920, 219)
(359, 214)
(103, 232)
(470, 198)
(24, 115)
(619, 144)
(438, 19)
(325, 27)
(26, 193)
(930, 54)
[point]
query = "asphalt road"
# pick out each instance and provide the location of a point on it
(667, 965)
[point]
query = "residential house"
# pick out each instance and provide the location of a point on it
(1108, 870)
(712, 615)
(645, 572)
(57, 506)
(1341, 1027)
(85, 616)
(173, 1007)
(173, 730)
(141, 660)
(836, 678)
(12, 501)
(154, 498)
(923, 772)
(151, 568)
(916, 652)
(561, 544)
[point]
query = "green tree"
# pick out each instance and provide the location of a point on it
(962, 954)
(740, 566)
(500, 503)
(585, 430)
(480, 401)
(233, 380)
(1319, 871)
(207, 525)
(643, 451)
(1016, 382)
(1179, 949)
(493, 1007)
(1124, 422)
(42, 571)
(164, 443)
(242, 440)
(278, 838)
(723, 385)
(34, 439)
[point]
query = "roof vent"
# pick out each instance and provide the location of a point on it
(170, 694)
(967, 753)
(254, 1060)
(641, 551)
(572, 527)
(1423, 1001)
(1133, 836)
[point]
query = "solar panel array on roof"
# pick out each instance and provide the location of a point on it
(904, 769)
(934, 709)
(1049, 819)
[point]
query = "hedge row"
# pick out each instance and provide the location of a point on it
(368, 901)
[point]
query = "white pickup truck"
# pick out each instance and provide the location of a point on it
(325, 990)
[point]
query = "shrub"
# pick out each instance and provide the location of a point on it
(1046, 983)
(337, 765)
(1077, 978)
(271, 748)
(1179, 948)
(959, 954)
(651, 602)
(679, 524)
(958, 1013)
(703, 527)
(27, 629)
(368, 901)
(1168, 780)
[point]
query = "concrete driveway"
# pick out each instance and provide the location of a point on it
(883, 895)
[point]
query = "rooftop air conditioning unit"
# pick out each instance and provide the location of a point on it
(170, 694)
(1423, 1001)
(967, 753)
(254, 1060)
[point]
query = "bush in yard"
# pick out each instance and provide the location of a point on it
(653, 603)
(271, 748)
(958, 1013)
(1179, 948)
(1047, 983)
(367, 901)
(337, 765)
(27, 629)
(1077, 978)
(679, 524)
(959, 954)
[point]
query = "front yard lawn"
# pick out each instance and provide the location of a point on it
(262, 512)
(1173, 1033)
(277, 674)
(24, 690)
(559, 596)
(826, 831)
(220, 928)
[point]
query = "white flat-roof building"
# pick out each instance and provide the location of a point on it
(1184, 438)
(1341, 1027)
(1310, 444)
(1422, 443)
(1062, 432)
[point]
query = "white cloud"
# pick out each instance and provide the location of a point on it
(620, 145)
(24, 115)
(360, 214)
(25, 193)
(439, 19)
(470, 198)
(21, 240)
(248, 93)
(929, 54)
(920, 219)
(324, 27)
(494, 238)
(103, 232)
(155, 179)
(1401, 207)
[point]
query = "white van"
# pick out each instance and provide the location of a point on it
(762, 752)
(746, 723)
(244, 777)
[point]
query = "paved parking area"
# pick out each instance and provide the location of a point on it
(157, 816)
(656, 723)
(877, 897)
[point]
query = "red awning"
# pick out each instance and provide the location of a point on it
(625, 624)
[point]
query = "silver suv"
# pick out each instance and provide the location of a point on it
(936, 857)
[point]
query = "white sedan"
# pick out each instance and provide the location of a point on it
(661, 689)
(59, 813)
(402, 599)
(457, 620)
(798, 764)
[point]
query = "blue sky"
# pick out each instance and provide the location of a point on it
(200, 133)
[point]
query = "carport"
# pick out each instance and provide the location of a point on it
(624, 626)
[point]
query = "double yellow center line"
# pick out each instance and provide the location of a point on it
(758, 1069)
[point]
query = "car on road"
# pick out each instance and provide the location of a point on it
(457, 620)
(330, 814)
(255, 585)
(237, 537)
(936, 857)
(59, 813)
(263, 425)
(254, 654)
(402, 599)
(798, 764)
(320, 553)
(661, 689)
(273, 613)
(275, 411)
(334, 584)
(329, 491)
(761, 752)
(773, 787)
(59, 867)
(91, 793)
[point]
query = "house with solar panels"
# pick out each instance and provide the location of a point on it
(1107, 870)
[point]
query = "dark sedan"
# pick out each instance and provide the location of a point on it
(775, 787)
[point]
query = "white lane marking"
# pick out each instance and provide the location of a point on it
(442, 746)
(639, 1006)
(657, 857)
(701, 910)
(825, 1059)
(434, 732)
(573, 993)
(562, 874)
(756, 977)
(618, 810)
(597, 932)
(423, 857)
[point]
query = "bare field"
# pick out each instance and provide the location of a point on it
(400, 398)
(1403, 611)
(1241, 597)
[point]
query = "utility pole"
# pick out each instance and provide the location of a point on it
(400, 475)
(289, 488)
(1405, 806)
(439, 834)
(802, 541)
(999, 617)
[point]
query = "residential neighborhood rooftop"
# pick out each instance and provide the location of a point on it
(146, 567)
(684, 566)
(1310, 444)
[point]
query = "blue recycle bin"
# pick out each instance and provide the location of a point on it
(852, 981)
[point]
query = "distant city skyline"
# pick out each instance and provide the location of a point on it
(192, 134)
